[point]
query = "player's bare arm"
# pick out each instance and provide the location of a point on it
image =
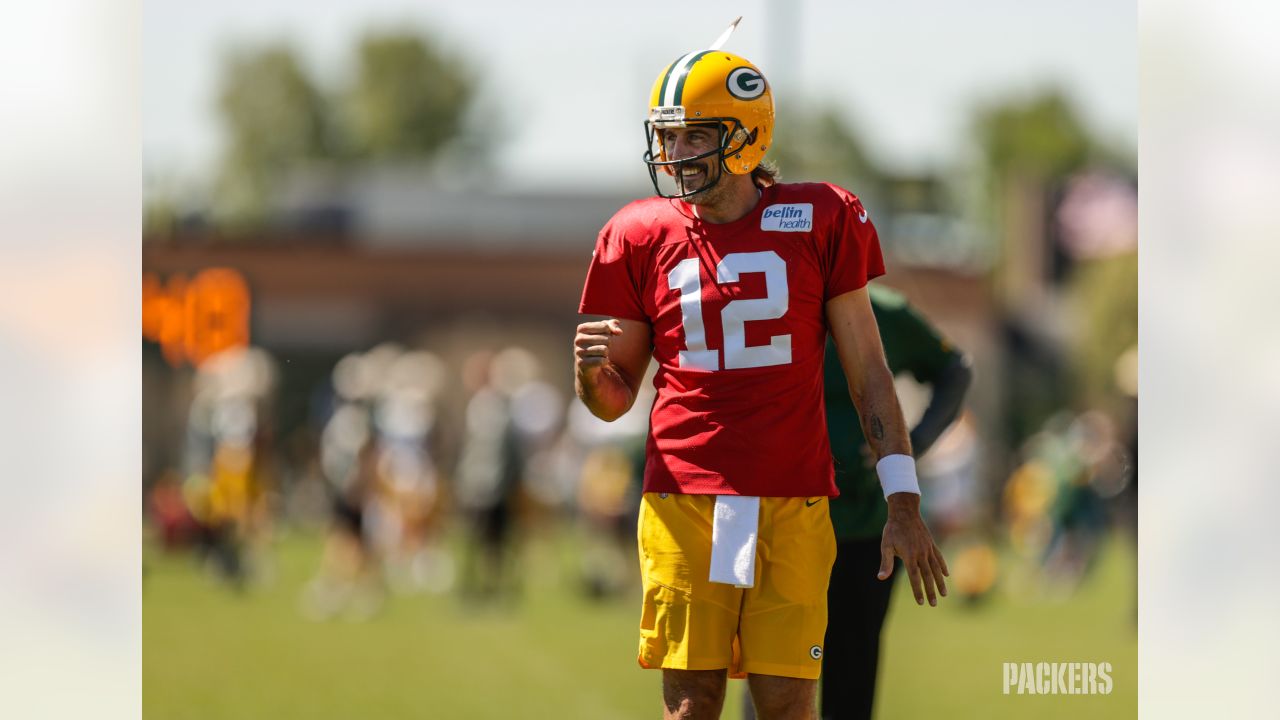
(853, 325)
(857, 337)
(609, 361)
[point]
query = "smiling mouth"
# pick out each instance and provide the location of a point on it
(692, 177)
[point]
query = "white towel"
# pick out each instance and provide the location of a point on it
(733, 540)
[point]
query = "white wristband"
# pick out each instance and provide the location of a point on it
(897, 474)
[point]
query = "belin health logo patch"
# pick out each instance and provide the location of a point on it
(794, 217)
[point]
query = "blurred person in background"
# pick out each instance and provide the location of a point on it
(405, 506)
(538, 420)
(350, 578)
(1056, 502)
(608, 477)
(608, 498)
(168, 512)
(489, 474)
(732, 281)
(607, 472)
(225, 454)
(911, 345)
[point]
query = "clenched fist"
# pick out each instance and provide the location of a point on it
(591, 345)
(608, 365)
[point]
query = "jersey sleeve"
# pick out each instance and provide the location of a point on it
(614, 283)
(853, 250)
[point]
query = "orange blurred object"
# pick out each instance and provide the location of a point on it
(195, 319)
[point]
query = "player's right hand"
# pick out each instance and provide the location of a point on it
(591, 345)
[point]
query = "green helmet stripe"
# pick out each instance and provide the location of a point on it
(662, 92)
(684, 74)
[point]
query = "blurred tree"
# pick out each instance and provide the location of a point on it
(159, 217)
(1104, 292)
(1080, 310)
(1040, 137)
(275, 119)
(408, 99)
(1027, 147)
(820, 145)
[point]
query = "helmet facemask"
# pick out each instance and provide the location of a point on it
(668, 172)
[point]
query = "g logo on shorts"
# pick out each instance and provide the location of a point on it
(815, 652)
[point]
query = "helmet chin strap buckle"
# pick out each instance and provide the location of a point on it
(742, 138)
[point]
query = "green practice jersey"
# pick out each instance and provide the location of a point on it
(911, 345)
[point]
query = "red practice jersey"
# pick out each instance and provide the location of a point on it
(739, 328)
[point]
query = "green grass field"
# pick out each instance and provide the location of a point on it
(211, 653)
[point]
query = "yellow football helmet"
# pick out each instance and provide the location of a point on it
(712, 87)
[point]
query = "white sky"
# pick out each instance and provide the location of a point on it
(908, 73)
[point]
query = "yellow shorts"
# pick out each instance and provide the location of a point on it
(775, 627)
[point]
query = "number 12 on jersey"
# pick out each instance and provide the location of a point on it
(684, 277)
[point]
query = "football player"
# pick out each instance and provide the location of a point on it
(911, 346)
(732, 281)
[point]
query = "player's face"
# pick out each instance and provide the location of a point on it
(687, 142)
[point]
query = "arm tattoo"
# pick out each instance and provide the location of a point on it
(877, 428)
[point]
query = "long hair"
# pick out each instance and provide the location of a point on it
(766, 174)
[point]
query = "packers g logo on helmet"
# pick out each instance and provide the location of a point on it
(710, 87)
(745, 83)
